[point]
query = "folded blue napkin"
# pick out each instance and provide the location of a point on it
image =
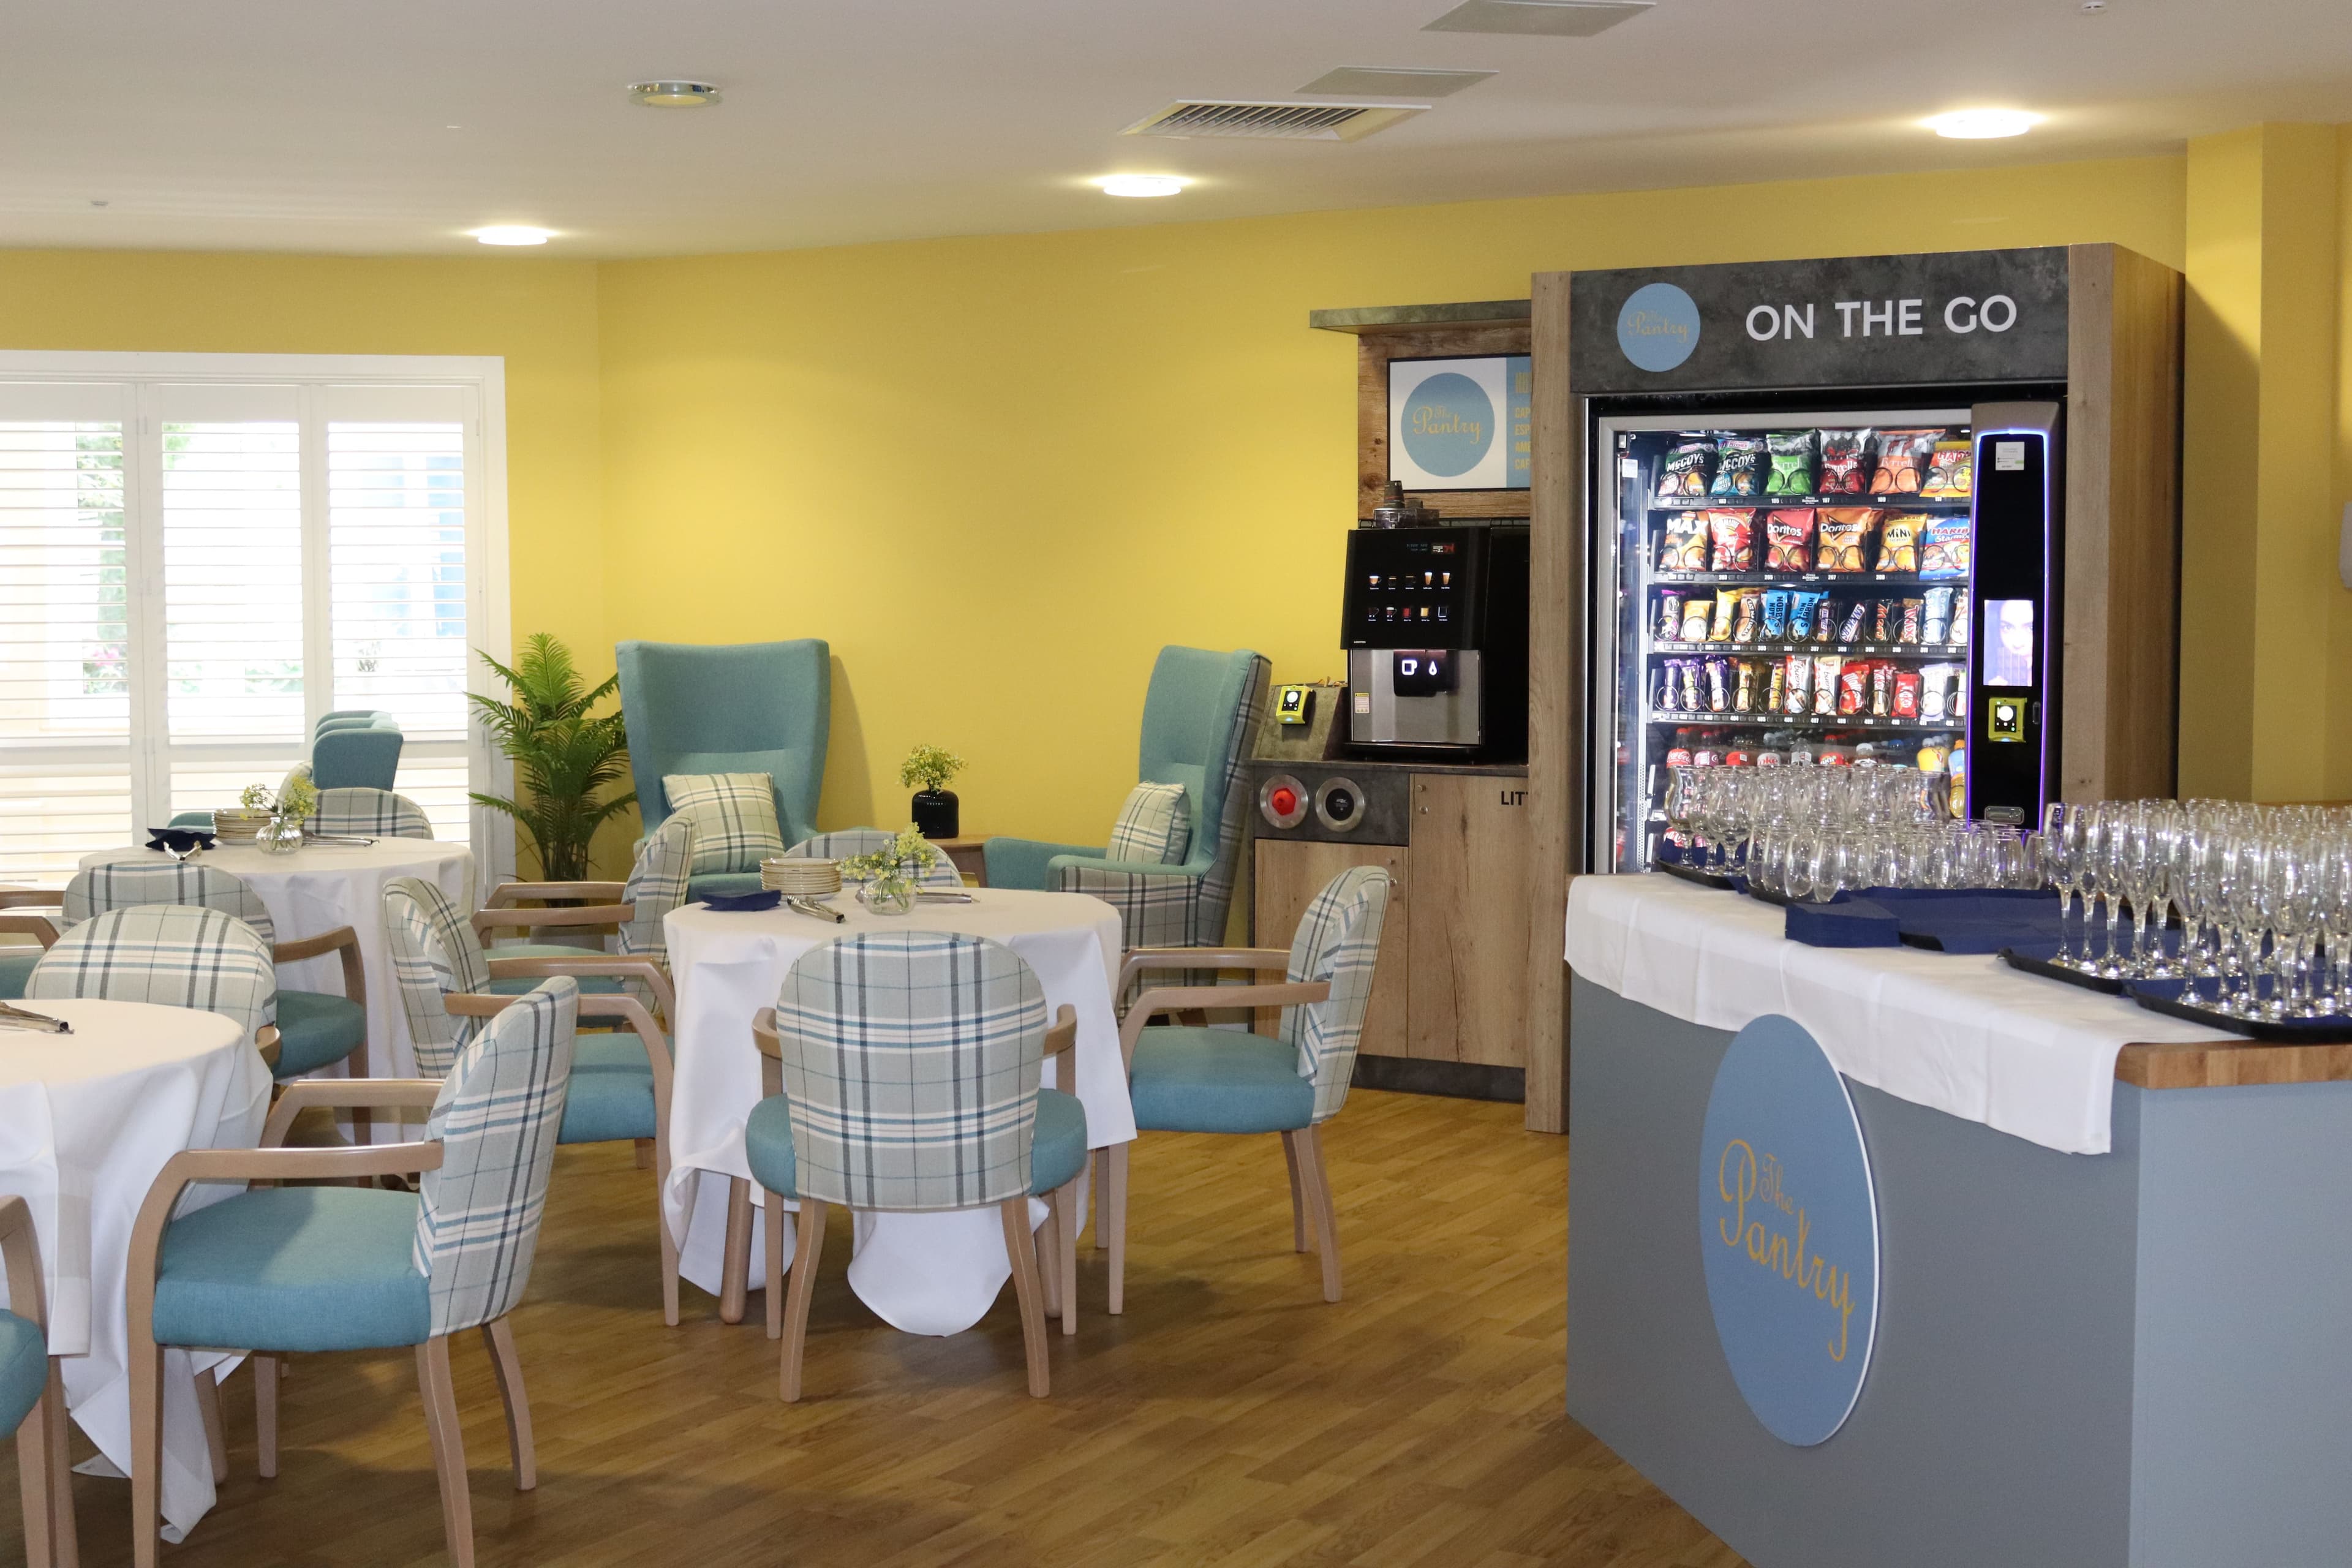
(743, 903)
(1846, 921)
(182, 839)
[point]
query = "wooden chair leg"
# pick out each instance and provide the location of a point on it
(1327, 1216)
(1298, 1196)
(1027, 1290)
(668, 1257)
(499, 1335)
(644, 1154)
(772, 1231)
(1064, 1262)
(1098, 1168)
(35, 1458)
(146, 1374)
(216, 1435)
(737, 1259)
(809, 1246)
(65, 1542)
(265, 1414)
(1113, 1199)
(434, 1382)
(1047, 1243)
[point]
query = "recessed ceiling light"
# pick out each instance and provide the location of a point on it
(1141, 185)
(513, 234)
(1981, 124)
(674, 94)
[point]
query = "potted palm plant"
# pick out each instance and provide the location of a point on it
(564, 753)
(927, 770)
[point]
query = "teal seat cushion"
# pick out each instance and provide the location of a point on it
(315, 1027)
(1057, 1149)
(1217, 1080)
(768, 1146)
(724, 884)
(23, 1370)
(524, 986)
(294, 1268)
(612, 1093)
(16, 968)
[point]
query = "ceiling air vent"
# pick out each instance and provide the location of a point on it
(1279, 122)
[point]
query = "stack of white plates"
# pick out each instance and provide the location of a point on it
(237, 826)
(800, 878)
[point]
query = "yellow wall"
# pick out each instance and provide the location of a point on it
(997, 474)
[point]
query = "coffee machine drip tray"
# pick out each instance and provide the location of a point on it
(1415, 697)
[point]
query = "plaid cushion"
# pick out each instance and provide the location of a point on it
(911, 1064)
(496, 1119)
(175, 955)
(150, 876)
(734, 818)
(1154, 824)
(359, 812)
(1339, 939)
(656, 885)
(435, 953)
(849, 841)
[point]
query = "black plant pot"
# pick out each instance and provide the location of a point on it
(936, 814)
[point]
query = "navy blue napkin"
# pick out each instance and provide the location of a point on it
(180, 839)
(1847, 921)
(743, 903)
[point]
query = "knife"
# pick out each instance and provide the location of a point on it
(18, 1018)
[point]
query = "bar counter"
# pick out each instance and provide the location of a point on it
(2110, 1312)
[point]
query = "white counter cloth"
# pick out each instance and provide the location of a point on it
(322, 887)
(924, 1273)
(87, 1121)
(1964, 1033)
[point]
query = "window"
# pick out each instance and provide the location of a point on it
(200, 556)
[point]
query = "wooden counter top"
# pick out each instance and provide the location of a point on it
(2223, 1064)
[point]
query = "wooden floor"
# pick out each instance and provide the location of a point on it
(1231, 1416)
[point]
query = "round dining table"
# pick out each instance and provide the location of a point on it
(320, 888)
(87, 1121)
(924, 1273)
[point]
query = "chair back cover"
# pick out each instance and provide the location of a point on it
(356, 757)
(176, 956)
(849, 841)
(734, 708)
(656, 885)
(1339, 939)
(911, 1064)
(368, 813)
(497, 1118)
(149, 877)
(435, 953)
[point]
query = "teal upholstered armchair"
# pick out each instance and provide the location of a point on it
(1200, 721)
(33, 1396)
(741, 707)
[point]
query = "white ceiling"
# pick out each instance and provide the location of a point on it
(323, 126)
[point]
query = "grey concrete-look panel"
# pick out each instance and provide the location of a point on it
(1994, 1430)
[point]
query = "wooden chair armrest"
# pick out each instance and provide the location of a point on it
(342, 939)
(1064, 1036)
(1177, 998)
(488, 920)
(265, 1041)
(764, 1034)
(39, 927)
(476, 1004)
(607, 966)
(20, 1249)
(343, 1093)
(34, 898)
(506, 893)
(1258, 960)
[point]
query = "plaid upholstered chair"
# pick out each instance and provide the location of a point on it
(174, 955)
(902, 1074)
(620, 1081)
(850, 841)
(286, 1269)
(656, 885)
(1189, 1079)
(315, 1028)
(361, 813)
(1200, 721)
(33, 1396)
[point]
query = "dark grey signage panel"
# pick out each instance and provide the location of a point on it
(1953, 317)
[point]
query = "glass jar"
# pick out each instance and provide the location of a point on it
(279, 835)
(892, 895)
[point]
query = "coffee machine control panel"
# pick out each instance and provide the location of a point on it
(1413, 588)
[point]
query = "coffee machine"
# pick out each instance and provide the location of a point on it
(1435, 625)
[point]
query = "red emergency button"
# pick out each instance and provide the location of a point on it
(1284, 801)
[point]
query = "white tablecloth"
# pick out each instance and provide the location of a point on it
(87, 1120)
(1965, 1034)
(321, 887)
(928, 1273)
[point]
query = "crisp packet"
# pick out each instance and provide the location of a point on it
(1842, 532)
(1682, 547)
(1776, 614)
(1686, 470)
(1898, 543)
(1903, 461)
(1735, 541)
(1842, 454)
(1952, 470)
(1670, 615)
(1792, 473)
(1738, 464)
(1788, 540)
(1696, 614)
(1726, 608)
(1945, 549)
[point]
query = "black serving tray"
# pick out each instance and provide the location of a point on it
(1719, 882)
(2049, 971)
(2334, 1030)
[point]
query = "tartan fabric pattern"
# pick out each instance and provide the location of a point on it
(734, 818)
(359, 812)
(153, 877)
(435, 953)
(911, 1064)
(1154, 824)
(496, 1119)
(1339, 939)
(849, 841)
(1185, 909)
(656, 885)
(176, 956)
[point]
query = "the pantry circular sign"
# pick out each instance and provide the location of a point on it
(1658, 326)
(1788, 1229)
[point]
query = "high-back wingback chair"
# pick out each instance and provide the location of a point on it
(284, 1269)
(174, 955)
(315, 1028)
(620, 1081)
(356, 756)
(33, 1396)
(1201, 720)
(1197, 1080)
(849, 841)
(360, 813)
(741, 707)
(903, 1073)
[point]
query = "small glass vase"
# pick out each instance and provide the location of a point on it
(888, 895)
(279, 835)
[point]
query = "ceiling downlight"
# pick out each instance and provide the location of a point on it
(674, 94)
(1274, 121)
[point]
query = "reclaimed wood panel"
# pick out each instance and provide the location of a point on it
(1555, 611)
(2223, 1064)
(1472, 899)
(1373, 351)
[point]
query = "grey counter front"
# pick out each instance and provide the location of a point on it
(2135, 1358)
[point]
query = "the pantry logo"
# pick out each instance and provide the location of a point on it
(1658, 326)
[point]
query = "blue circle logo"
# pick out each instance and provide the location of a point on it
(1658, 326)
(1787, 1225)
(1448, 425)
